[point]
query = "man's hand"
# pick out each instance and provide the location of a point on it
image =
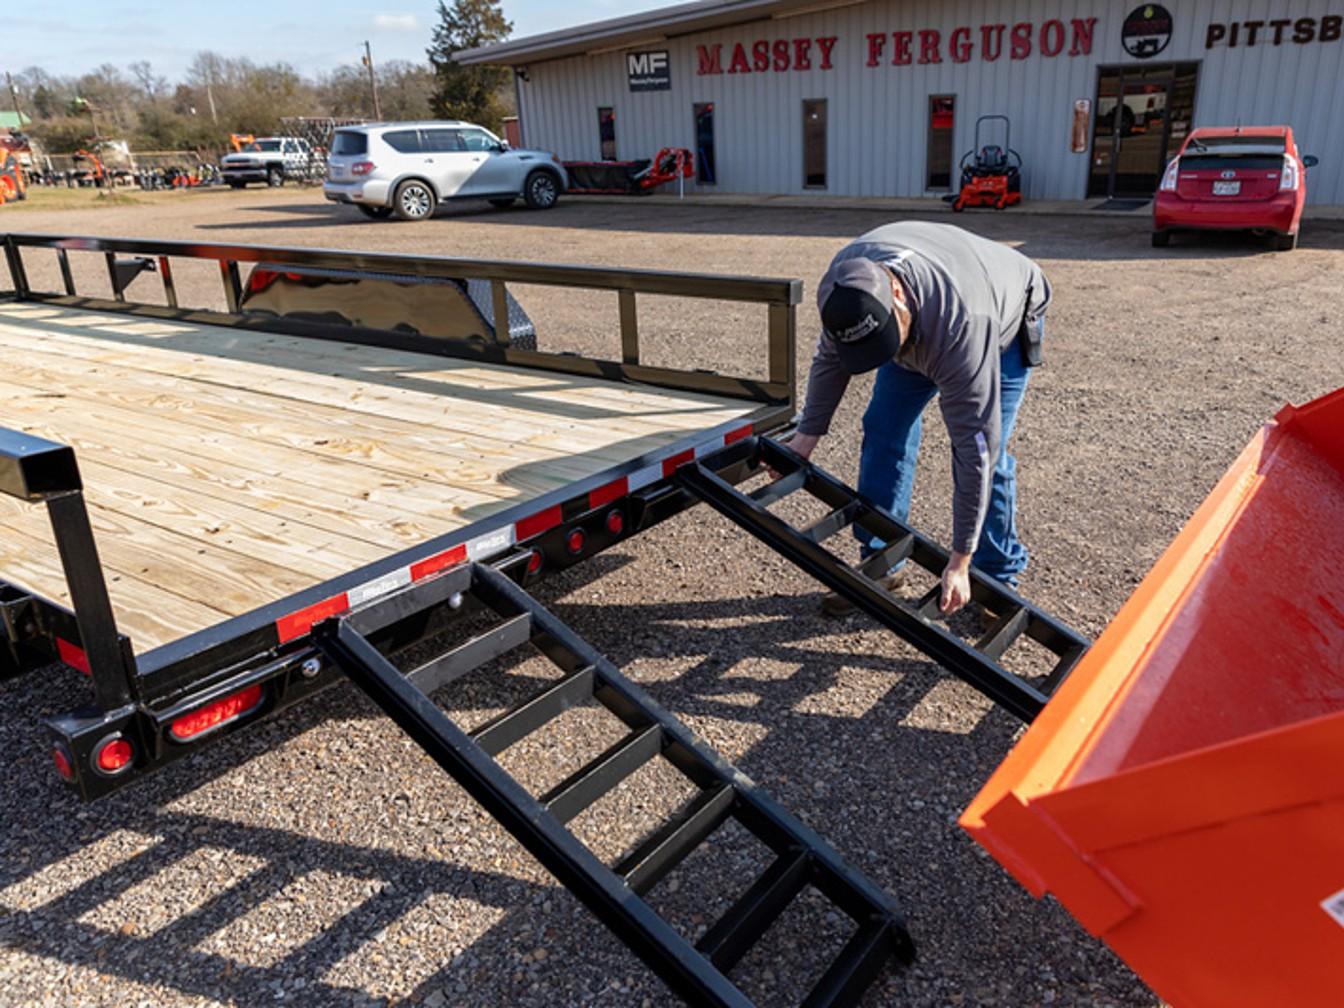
(800, 444)
(956, 583)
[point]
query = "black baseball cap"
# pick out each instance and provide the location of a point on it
(854, 299)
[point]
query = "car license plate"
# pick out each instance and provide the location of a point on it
(1226, 188)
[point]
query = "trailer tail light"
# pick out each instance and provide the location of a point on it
(65, 766)
(113, 755)
(1169, 176)
(534, 561)
(1291, 178)
(615, 522)
(362, 168)
(216, 715)
(574, 541)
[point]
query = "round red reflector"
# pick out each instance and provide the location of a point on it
(615, 522)
(534, 562)
(61, 758)
(574, 541)
(113, 756)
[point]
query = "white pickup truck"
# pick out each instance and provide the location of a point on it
(268, 159)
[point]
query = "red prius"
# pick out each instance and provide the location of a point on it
(1234, 179)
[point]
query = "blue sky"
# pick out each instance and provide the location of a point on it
(71, 36)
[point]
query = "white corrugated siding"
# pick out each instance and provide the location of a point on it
(878, 116)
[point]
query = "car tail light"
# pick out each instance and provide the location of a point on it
(216, 715)
(1169, 176)
(113, 755)
(362, 167)
(1291, 178)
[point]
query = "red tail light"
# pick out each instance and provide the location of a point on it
(113, 755)
(615, 522)
(216, 715)
(362, 167)
(534, 562)
(574, 541)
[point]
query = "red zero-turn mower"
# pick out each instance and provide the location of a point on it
(994, 178)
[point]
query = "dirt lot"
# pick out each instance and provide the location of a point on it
(320, 860)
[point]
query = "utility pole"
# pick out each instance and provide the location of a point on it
(373, 80)
(210, 92)
(14, 94)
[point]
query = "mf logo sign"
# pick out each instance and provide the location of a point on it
(649, 71)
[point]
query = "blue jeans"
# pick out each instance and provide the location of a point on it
(891, 432)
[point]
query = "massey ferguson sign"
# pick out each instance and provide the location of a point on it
(987, 43)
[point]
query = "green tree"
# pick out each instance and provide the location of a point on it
(468, 92)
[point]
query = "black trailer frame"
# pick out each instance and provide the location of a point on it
(137, 698)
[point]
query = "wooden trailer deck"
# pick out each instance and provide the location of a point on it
(225, 469)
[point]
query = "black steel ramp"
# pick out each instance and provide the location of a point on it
(699, 972)
(916, 622)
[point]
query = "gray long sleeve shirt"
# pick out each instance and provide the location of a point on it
(968, 296)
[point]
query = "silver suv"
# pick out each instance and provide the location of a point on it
(407, 169)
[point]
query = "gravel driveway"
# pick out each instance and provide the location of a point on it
(320, 859)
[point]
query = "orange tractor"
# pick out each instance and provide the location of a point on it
(990, 175)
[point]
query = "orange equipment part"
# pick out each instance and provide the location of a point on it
(241, 141)
(1182, 794)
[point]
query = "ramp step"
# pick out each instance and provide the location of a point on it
(918, 624)
(614, 894)
(751, 916)
(854, 969)
(473, 654)
(582, 788)
(668, 847)
(513, 726)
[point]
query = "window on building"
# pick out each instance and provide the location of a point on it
(704, 144)
(939, 170)
(606, 132)
(814, 143)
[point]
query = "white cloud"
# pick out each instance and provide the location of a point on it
(396, 22)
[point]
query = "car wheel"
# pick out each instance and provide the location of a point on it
(541, 191)
(275, 178)
(413, 200)
(1161, 239)
(502, 204)
(374, 212)
(1285, 242)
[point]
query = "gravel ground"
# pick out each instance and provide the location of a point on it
(320, 859)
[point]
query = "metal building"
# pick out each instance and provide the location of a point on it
(880, 97)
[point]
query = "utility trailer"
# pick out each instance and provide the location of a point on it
(278, 500)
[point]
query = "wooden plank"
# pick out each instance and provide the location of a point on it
(407, 386)
(146, 613)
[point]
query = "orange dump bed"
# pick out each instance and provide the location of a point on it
(1183, 793)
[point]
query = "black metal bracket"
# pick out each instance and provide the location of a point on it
(614, 893)
(35, 470)
(978, 664)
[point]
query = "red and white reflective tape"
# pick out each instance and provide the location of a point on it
(483, 547)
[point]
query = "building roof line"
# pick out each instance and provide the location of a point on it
(649, 27)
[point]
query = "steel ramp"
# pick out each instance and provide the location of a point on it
(915, 622)
(698, 972)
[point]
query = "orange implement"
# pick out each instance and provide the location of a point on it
(1183, 793)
